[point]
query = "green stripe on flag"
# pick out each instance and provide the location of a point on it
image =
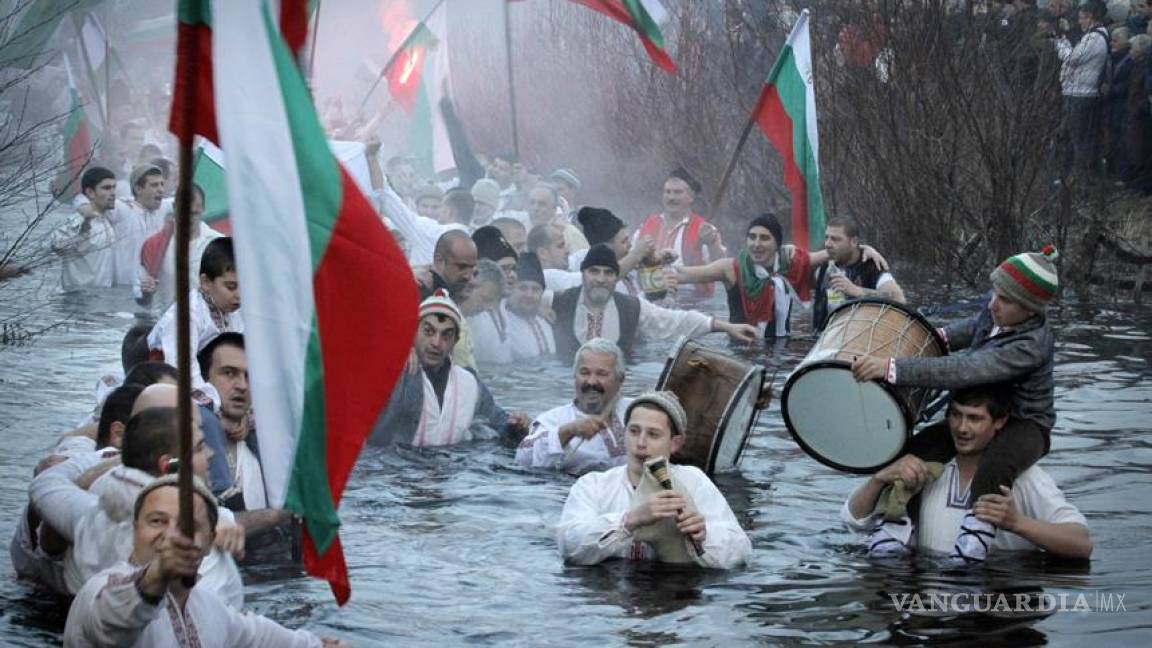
(785, 75)
(309, 493)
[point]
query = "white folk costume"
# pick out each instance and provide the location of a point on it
(247, 476)
(88, 255)
(109, 611)
(133, 225)
(491, 339)
(419, 232)
(531, 336)
(943, 504)
(591, 527)
(103, 537)
(542, 449)
(206, 321)
(166, 279)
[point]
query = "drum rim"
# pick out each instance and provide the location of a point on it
(904, 308)
(808, 450)
(714, 450)
(673, 355)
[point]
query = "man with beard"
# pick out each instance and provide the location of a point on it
(531, 334)
(440, 403)
(595, 309)
(86, 241)
(587, 433)
(224, 365)
(136, 220)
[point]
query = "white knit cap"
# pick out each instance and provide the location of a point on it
(666, 402)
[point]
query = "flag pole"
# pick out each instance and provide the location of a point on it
(312, 45)
(720, 189)
(102, 107)
(188, 71)
(511, 81)
(392, 58)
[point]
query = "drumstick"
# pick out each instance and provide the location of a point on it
(607, 421)
(659, 470)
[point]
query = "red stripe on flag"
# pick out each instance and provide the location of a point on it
(616, 10)
(658, 56)
(1026, 281)
(363, 284)
(777, 125)
(204, 112)
(294, 23)
(331, 567)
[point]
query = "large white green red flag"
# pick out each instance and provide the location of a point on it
(786, 112)
(329, 301)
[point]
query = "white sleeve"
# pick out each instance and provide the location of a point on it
(108, 611)
(421, 233)
(659, 323)
(541, 448)
(1039, 497)
(585, 535)
(884, 278)
(59, 501)
(726, 544)
(248, 629)
(137, 291)
(69, 237)
(865, 524)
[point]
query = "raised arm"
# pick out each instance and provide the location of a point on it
(718, 270)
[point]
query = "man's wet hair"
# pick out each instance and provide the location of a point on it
(204, 357)
(150, 434)
(94, 176)
(218, 258)
(117, 408)
(134, 348)
(150, 373)
(994, 398)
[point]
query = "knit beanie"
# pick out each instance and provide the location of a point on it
(770, 223)
(439, 303)
(1029, 278)
(666, 402)
(486, 191)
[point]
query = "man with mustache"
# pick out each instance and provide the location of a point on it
(587, 433)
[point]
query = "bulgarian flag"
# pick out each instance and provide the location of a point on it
(405, 70)
(329, 301)
(786, 112)
(77, 136)
(208, 172)
(642, 16)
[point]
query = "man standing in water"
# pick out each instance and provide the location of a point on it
(86, 241)
(694, 240)
(609, 515)
(587, 433)
(1032, 514)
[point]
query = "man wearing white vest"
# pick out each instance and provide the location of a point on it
(441, 403)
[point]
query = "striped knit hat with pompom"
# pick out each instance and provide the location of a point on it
(1029, 278)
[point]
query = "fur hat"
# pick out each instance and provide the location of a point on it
(599, 225)
(529, 269)
(600, 255)
(491, 244)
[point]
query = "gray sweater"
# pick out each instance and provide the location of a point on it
(1021, 358)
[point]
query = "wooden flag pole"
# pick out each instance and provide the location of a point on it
(392, 58)
(723, 186)
(310, 72)
(511, 81)
(188, 71)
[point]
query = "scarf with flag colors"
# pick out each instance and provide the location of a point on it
(786, 112)
(329, 301)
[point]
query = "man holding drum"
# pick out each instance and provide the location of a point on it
(613, 514)
(1033, 513)
(1009, 342)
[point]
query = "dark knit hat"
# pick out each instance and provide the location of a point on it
(491, 244)
(1029, 278)
(528, 268)
(682, 174)
(769, 222)
(600, 225)
(600, 255)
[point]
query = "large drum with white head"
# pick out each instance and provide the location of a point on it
(851, 426)
(721, 395)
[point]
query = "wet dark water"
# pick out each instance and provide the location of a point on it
(455, 546)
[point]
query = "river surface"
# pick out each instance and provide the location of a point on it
(456, 546)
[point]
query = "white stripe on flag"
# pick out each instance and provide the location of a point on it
(268, 222)
(801, 43)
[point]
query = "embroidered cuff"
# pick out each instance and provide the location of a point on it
(144, 596)
(891, 377)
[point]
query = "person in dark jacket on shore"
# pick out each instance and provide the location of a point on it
(1009, 343)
